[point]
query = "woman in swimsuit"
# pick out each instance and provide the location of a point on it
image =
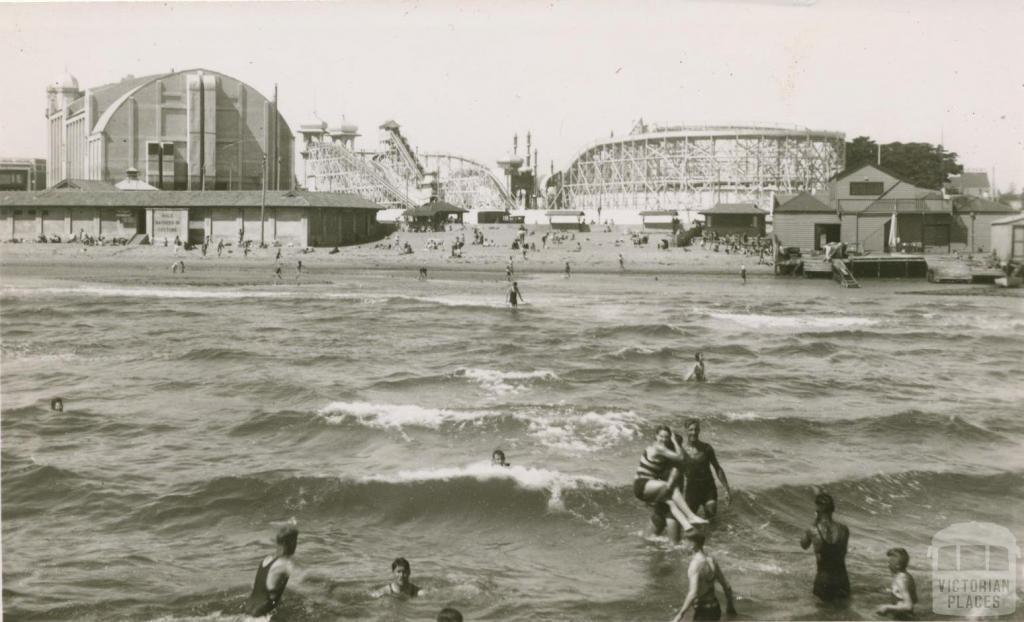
(830, 539)
(703, 573)
(656, 478)
(272, 574)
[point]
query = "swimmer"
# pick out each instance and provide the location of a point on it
(903, 590)
(697, 373)
(568, 271)
(400, 586)
(277, 272)
(656, 476)
(178, 265)
(743, 273)
(700, 485)
(514, 296)
(57, 404)
(830, 540)
(622, 262)
(423, 274)
(449, 614)
(702, 574)
(272, 574)
(498, 459)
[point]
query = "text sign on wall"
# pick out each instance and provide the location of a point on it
(167, 223)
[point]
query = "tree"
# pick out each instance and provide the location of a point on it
(922, 164)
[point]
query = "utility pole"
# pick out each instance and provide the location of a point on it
(263, 198)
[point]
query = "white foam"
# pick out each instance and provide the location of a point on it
(504, 382)
(585, 433)
(146, 292)
(397, 415)
(553, 482)
(802, 322)
(747, 416)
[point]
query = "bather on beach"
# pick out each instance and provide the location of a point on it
(657, 478)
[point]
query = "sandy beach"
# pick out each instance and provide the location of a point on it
(598, 253)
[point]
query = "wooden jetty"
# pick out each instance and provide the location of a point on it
(888, 266)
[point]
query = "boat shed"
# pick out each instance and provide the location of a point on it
(735, 219)
(805, 221)
(296, 217)
(1007, 235)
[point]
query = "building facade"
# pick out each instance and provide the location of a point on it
(22, 174)
(861, 206)
(294, 217)
(735, 219)
(182, 130)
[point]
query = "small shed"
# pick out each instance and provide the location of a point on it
(805, 221)
(975, 217)
(735, 219)
(565, 219)
(660, 219)
(435, 213)
(1008, 238)
(491, 215)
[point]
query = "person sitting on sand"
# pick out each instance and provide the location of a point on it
(704, 571)
(498, 459)
(400, 586)
(657, 475)
(700, 492)
(514, 296)
(830, 539)
(272, 574)
(697, 373)
(903, 590)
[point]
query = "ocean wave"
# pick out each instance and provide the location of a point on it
(399, 415)
(145, 292)
(794, 322)
(503, 382)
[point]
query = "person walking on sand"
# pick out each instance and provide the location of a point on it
(830, 539)
(277, 272)
(743, 273)
(568, 271)
(220, 248)
(298, 270)
(622, 262)
(704, 571)
(272, 574)
(903, 590)
(697, 373)
(514, 296)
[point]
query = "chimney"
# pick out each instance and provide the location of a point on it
(132, 173)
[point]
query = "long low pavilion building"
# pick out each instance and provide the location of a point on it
(295, 217)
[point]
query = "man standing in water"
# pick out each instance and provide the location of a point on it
(697, 373)
(830, 539)
(701, 491)
(904, 589)
(400, 586)
(272, 574)
(514, 296)
(703, 573)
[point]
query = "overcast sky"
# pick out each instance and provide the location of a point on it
(462, 77)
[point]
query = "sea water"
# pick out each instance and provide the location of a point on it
(198, 419)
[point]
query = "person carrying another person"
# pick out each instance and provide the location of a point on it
(400, 586)
(704, 571)
(830, 539)
(657, 476)
(272, 574)
(903, 590)
(700, 489)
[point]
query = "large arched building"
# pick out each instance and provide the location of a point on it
(684, 170)
(183, 130)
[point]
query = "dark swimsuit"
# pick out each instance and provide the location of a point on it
(700, 484)
(831, 582)
(262, 601)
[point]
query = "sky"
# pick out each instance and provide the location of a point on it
(464, 76)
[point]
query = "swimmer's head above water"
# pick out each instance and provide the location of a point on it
(288, 539)
(824, 504)
(663, 434)
(498, 458)
(899, 559)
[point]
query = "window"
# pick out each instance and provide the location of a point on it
(160, 164)
(866, 188)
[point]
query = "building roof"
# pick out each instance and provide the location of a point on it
(735, 208)
(563, 212)
(434, 208)
(904, 206)
(185, 199)
(853, 169)
(967, 181)
(1016, 218)
(659, 212)
(978, 205)
(804, 203)
(86, 185)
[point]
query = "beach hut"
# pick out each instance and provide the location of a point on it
(491, 215)
(1007, 235)
(660, 219)
(434, 214)
(565, 219)
(735, 219)
(805, 221)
